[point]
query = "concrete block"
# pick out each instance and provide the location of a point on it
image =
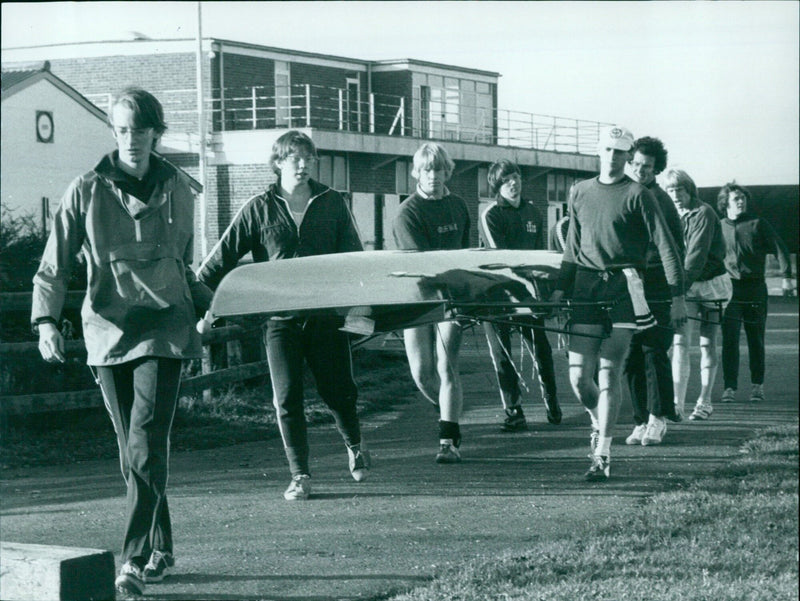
(49, 573)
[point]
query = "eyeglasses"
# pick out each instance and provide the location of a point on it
(133, 132)
(295, 159)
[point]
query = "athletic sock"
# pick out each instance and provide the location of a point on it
(603, 446)
(450, 430)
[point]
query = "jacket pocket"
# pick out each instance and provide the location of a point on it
(148, 275)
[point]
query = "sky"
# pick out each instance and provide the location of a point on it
(716, 81)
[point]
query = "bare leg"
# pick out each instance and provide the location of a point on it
(709, 361)
(420, 351)
(612, 355)
(451, 394)
(681, 368)
(583, 357)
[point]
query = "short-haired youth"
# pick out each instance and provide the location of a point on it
(432, 155)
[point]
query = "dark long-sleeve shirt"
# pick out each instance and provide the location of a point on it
(432, 224)
(611, 227)
(655, 280)
(748, 241)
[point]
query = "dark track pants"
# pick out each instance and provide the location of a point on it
(141, 397)
(648, 368)
(327, 351)
(542, 355)
(748, 307)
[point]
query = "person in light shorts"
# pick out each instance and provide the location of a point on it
(708, 293)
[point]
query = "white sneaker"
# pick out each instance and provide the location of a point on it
(655, 431)
(130, 580)
(701, 411)
(636, 436)
(359, 461)
(299, 488)
(728, 396)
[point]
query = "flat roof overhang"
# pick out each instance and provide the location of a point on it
(253, 146)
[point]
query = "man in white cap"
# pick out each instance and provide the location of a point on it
(612, 222)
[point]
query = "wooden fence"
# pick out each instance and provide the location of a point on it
(80, 399)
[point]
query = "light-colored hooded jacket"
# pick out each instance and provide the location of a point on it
(142, 297)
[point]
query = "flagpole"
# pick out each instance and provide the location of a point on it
(201, 115)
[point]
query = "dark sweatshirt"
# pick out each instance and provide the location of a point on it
(611, 227)
(748, 241)
(432, 224)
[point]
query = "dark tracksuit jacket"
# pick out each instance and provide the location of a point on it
(265, 227)
(502, 225)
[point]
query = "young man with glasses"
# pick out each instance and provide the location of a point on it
(298, 217)
(513, 222)
(131, 217)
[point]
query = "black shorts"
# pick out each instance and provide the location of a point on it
(607, 291)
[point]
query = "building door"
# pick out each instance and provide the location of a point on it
(352, 112)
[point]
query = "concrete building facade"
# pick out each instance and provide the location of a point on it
(366, 118)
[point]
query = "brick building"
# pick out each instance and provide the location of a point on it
(366, 118)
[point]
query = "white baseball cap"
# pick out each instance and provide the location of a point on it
(615, 137)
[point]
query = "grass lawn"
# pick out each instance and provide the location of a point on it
(729, 537)
(230, 416)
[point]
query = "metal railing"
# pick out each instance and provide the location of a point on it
(322, 107)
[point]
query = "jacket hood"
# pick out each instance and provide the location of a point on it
(108, 167)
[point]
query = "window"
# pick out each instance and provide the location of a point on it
(283, 91)
(453, 109)
(483, 183)
(404, 182)
(332, 171)
(558, 186)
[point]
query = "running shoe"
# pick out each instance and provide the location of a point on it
(553, 410)
(514, 421)
(159, 566)
(728, 396)
(701, 411)
(359, 461)
(448, 453)
(600, 469)
(130, 580)
(637, 435)
(654, 433)
(299, 488)
(757, 394)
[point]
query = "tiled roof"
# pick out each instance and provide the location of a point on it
(9, 79)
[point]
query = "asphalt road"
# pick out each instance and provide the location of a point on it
(236, 538)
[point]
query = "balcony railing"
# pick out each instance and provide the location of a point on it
(314, 106)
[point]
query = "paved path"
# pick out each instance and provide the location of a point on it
(236, 538)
